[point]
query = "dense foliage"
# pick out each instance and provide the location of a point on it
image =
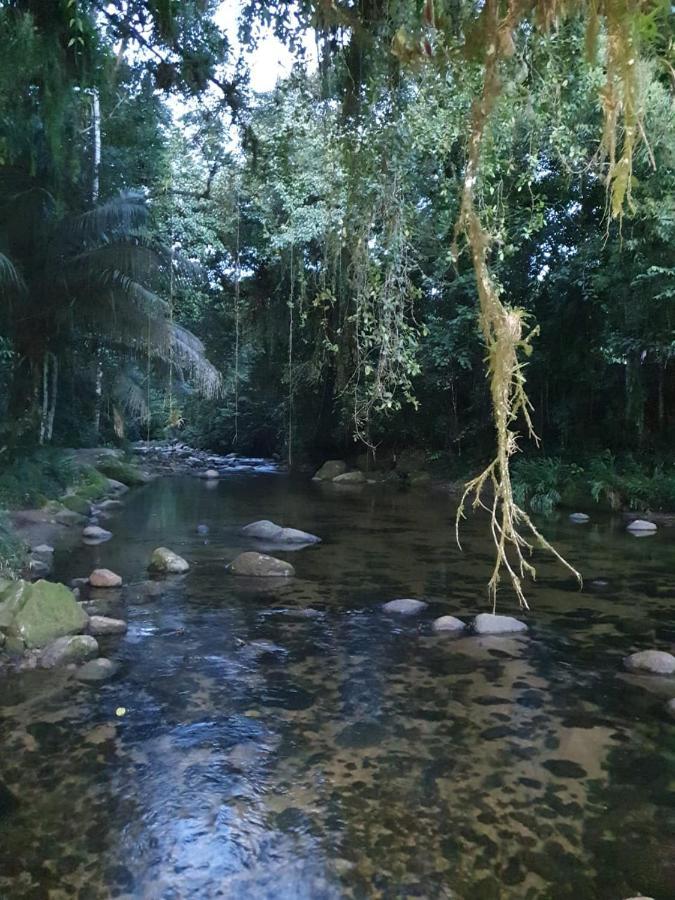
(327, 245)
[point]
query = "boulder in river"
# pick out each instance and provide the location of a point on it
(109, 504)
(99, 669)
(654, 662)
(211, 473)
(488, 623)
(38, 613)
(354, 477)
(641, 526)
(165, 560)
(99, 625)
(94, 534)
(258, 565)
(579, 518)
(670, 708)
(404, 607)
(104, 578)
(330, 470)
(65, 650)
(448, 623)
(265, 530)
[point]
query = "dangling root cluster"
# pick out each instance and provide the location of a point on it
(502, 328)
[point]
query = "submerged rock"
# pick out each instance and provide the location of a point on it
(448, 623)
(93, 534)
(642, 526)
(104, 625)
(38, 613)
(488, 623)
(330, 470)
(265, 530)
(104, 578)
(670, 708)
(99, 669)
(354, 477)
(405, 607)
(258, 565)
(655, 662)
(165, 560)
(579, 518)
(202, 529)
(65, 650)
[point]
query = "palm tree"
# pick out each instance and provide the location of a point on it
(91, 281)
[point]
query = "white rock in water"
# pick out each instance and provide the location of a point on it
(165, 560)
(487, 623)
(405, 607)
(264, 530)
(258, 565)
(448, 623)
(655, 662)
(641, 525)
(103, 625)
(354, 477)
(104, 578)
(579, 518)
(92, 534)
(212, 473)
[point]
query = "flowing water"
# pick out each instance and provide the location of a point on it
(290, 741)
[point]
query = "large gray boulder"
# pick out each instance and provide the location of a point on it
(93, 534)
(258, 565)
(654, 662)
(354, 477)
(330, 470)
(264, 530)
(65, 650)
(165, 560)
(99, 669)
(104, 625)
(38, 613)
(448, 623)
(404, 607)
(641, 526)
(487, 623)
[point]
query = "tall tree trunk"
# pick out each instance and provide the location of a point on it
(55, 388)
(95, 190)
(96, 149)
(45, 397)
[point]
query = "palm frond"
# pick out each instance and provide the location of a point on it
(189, 355)
(10, 277)
(121, 215)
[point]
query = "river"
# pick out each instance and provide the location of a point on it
(291, 741)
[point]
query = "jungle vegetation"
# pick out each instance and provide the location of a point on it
(448, 229)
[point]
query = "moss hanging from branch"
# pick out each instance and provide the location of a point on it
(503, 331)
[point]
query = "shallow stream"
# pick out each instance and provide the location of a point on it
(349, 754)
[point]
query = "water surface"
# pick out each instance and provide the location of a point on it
(289, 741)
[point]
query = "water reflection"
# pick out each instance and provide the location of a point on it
(290, 741)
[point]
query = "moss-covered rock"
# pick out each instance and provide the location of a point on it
(39, 613)
(165, 560)
(77, 504)
(122, 471)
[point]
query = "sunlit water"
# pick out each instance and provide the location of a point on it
(356, 755)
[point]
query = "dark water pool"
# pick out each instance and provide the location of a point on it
(351, 755)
